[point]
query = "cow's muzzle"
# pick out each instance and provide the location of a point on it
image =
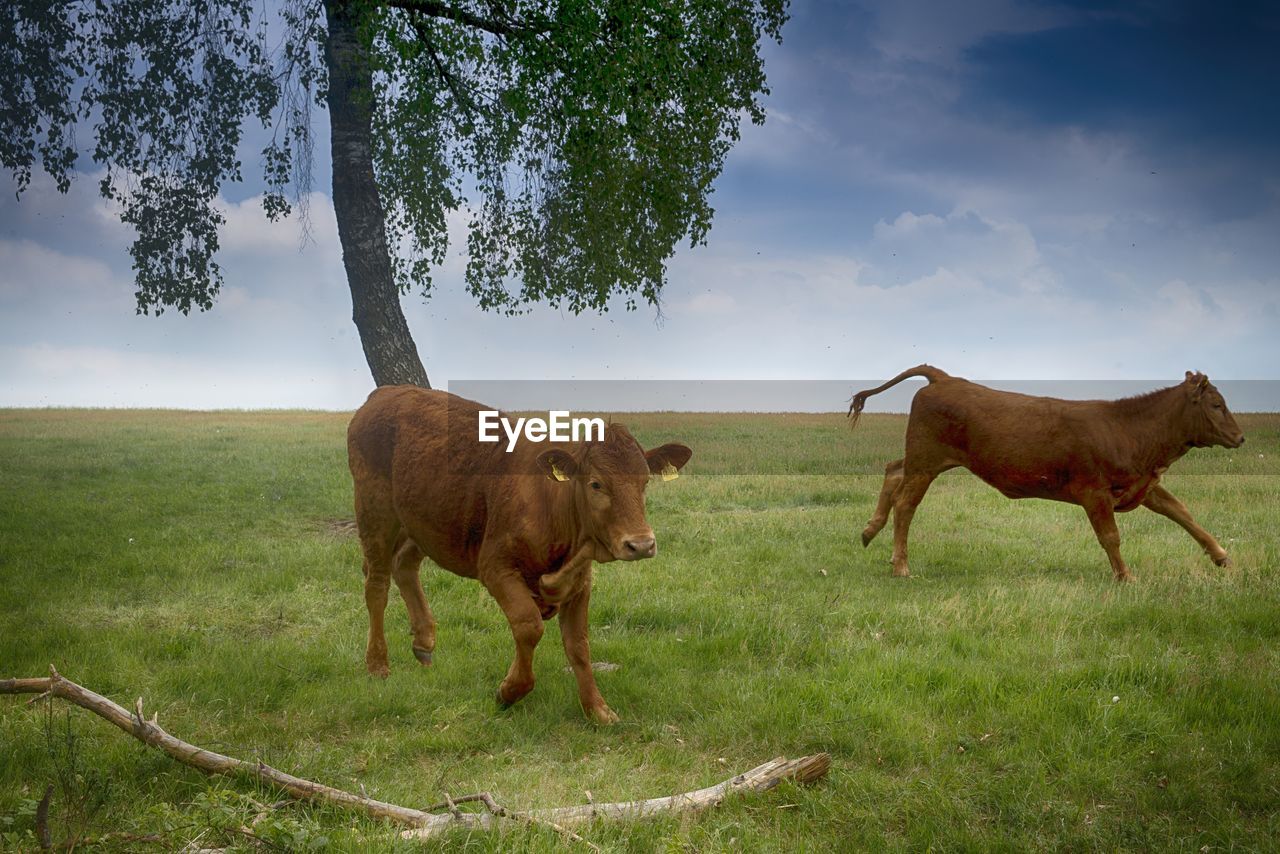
(638, 548)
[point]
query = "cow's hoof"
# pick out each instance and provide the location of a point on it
(867, 537)
(503, 702)
(901, 572)
(604, 715)
(423, 656)
(1223, 561)
(1124, 578)
(381, 671)
(508, 697)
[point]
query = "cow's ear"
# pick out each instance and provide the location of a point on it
(557, 464)
(668, 460)
(1196, 384)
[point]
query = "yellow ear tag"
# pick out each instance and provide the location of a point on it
(670, 472)
(557, 474)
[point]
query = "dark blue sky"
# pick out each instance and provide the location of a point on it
(1025, 190)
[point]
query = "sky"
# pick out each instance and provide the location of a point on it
(1007, 190)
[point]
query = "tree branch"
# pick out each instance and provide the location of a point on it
(419, 27)
(436, 9)
(150, 733)
(422, 824)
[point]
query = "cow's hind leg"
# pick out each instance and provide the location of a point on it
(905, 500)
(892, 479)
(1163, 502)
(421, 622)
(378, 554)
(1103, 518)
(379, 529)
(516, 601)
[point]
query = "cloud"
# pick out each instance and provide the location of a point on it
(49, 375)
(1002, 255)
(30, 268)
(708, 303)
(248, 230)
(940, 33)
(976, 296)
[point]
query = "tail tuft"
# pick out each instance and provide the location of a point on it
(856, 403)
(859, 400)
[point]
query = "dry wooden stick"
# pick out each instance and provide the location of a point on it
(502, 812)
(806, 769)
(423, 824)
(149, 732)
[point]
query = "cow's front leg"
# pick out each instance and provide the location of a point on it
(573, 631)
(516, 601)
(557, 587)
(1163, 502)
(1103, 518)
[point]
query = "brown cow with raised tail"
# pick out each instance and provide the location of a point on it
(527, 524)
(1105, 455)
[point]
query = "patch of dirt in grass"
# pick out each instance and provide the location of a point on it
(338, 527)
(600, 667)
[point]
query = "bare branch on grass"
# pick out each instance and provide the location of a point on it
(421, 823)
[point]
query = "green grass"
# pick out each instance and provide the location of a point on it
(190, 558)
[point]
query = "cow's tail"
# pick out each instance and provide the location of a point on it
(929, 372)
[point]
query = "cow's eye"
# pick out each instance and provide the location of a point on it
(595, 484)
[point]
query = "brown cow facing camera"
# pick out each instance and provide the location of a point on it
(527, 524)
(1105, 455)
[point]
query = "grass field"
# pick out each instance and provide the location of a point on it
(1009, 696)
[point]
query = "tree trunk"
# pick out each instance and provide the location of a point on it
(384, 334)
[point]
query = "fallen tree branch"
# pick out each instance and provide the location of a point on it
(149, 732)
(423, 824)
(502, 812)
(762, 778)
